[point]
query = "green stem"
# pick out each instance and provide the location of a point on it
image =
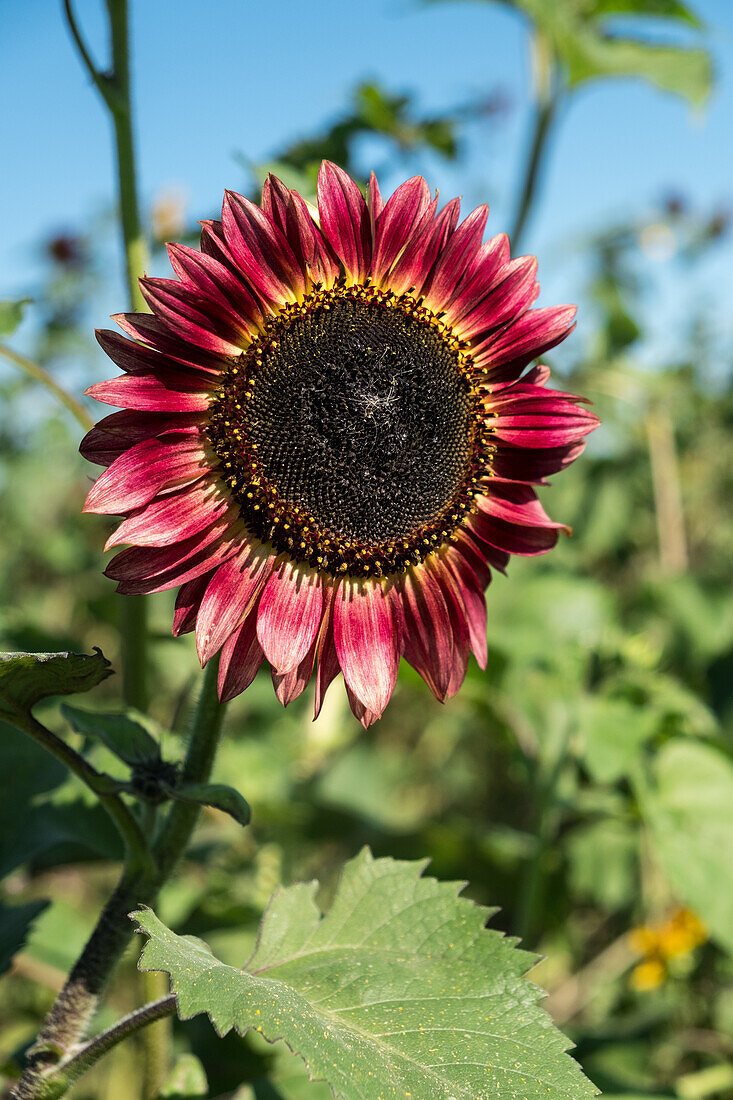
(134, 608)
(114, 88)
(534, 879)
(71, 1013)
(547, 99)
(83, 1057)
(136, 846)
(38, 374)
(158, 1037)
(182, 816)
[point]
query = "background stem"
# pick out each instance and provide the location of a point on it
(114, 88)
(39, 374)
(545, 109)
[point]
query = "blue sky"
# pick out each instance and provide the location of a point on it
(230, 76)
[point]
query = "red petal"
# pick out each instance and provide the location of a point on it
(230, 596)
(428, 635)
(187, 604)
(328, 665)
(172, 517)
(505, 354)
(169, 391)
(470, 595)
(415, 263)
(289, 615)
(140, 473)
(402, 214)
(241, 658)
(120, 431)
(261, 250)
(345, 220)
(365, 636)
(186, 314)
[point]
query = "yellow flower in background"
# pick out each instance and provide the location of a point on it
(679, 934)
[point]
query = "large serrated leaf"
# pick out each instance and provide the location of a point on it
(398, 991)
(26, 678)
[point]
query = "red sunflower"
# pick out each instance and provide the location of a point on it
(327, 440)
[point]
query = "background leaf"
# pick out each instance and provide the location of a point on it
(15, 924)
(11, 314)
(690, 812)
(123, 735)
(398, 990)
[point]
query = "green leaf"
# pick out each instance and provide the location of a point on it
(15, 923)
(41, 815)
(397, 991)
(613, 732)
(187, 1080)
(121, 733)
(689, 808)
(664, 9)
(587, 49)
(26, 678)
(217, 795)
(11, 314)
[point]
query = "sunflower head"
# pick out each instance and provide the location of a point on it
(327, 438)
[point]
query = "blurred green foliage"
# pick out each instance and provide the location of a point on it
(584, 782)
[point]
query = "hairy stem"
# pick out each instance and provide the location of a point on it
(39, 374)
(157, 1037)
(545, 110)
(70, 1015)
(182, 816)
(149, 1016)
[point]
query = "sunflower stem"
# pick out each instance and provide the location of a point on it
(202, 747)
(70, 1015)
(547, 98)
(82, 1058)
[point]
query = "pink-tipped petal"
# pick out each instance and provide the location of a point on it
(402, 213)
(230, 596)
(168, 391)
(176, 515)
(428, 635)
(345, 220)
(289, 614)
(414, 265)
(261, 250)
(366, 641)
(140, 473)
(241, 657)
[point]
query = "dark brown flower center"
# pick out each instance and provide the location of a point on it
(347, 435)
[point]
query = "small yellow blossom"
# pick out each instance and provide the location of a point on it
(679, 934)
